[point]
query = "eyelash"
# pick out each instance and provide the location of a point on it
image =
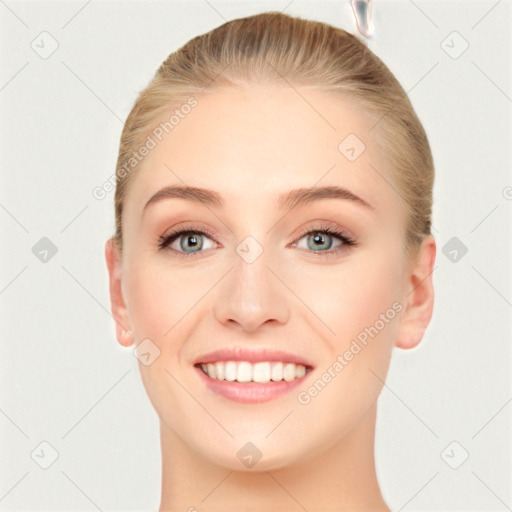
(165, 240)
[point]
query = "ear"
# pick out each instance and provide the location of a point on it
(419, 296)
(117, 304)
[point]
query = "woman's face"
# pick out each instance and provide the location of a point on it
(264, 277)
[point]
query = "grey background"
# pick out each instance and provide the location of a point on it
(65, 380)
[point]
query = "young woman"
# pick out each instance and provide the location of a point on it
(272, 246)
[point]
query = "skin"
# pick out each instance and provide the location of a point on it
(250, 145)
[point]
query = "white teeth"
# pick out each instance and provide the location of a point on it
(219, 370)
(244, 372)
(289, 372)
(300, 370)
(211, 370)
(263, 372)
(276, 373)
(230, 371)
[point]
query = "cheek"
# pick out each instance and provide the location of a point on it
(360, 303)
(158, 297)
(352, 296)
(157, 301)
(149, 305)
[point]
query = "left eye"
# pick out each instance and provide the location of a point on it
(318, 240)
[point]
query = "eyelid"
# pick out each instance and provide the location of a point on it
(326, 225)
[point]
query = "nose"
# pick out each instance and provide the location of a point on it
(251, 295)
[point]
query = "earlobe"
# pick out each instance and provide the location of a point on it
(117, 304)
(126, 338)
(419, 297)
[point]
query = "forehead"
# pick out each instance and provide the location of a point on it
(253, 143)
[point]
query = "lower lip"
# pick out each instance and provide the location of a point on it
(250, 392)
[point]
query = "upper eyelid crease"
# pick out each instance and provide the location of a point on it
(286, 201)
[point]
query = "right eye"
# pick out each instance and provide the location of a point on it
(187, 239)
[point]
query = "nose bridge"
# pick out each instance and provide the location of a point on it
(251, 295)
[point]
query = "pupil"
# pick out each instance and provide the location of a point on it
(192, 241)
(320, 240)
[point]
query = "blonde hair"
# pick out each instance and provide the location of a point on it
(273, 46)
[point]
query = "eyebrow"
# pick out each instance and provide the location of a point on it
(287, 200)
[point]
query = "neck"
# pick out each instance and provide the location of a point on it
(341, 479)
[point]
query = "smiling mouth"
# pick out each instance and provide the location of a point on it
(262, 372)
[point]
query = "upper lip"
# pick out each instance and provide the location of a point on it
(252, 356)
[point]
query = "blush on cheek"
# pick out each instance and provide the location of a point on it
(364, 317)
